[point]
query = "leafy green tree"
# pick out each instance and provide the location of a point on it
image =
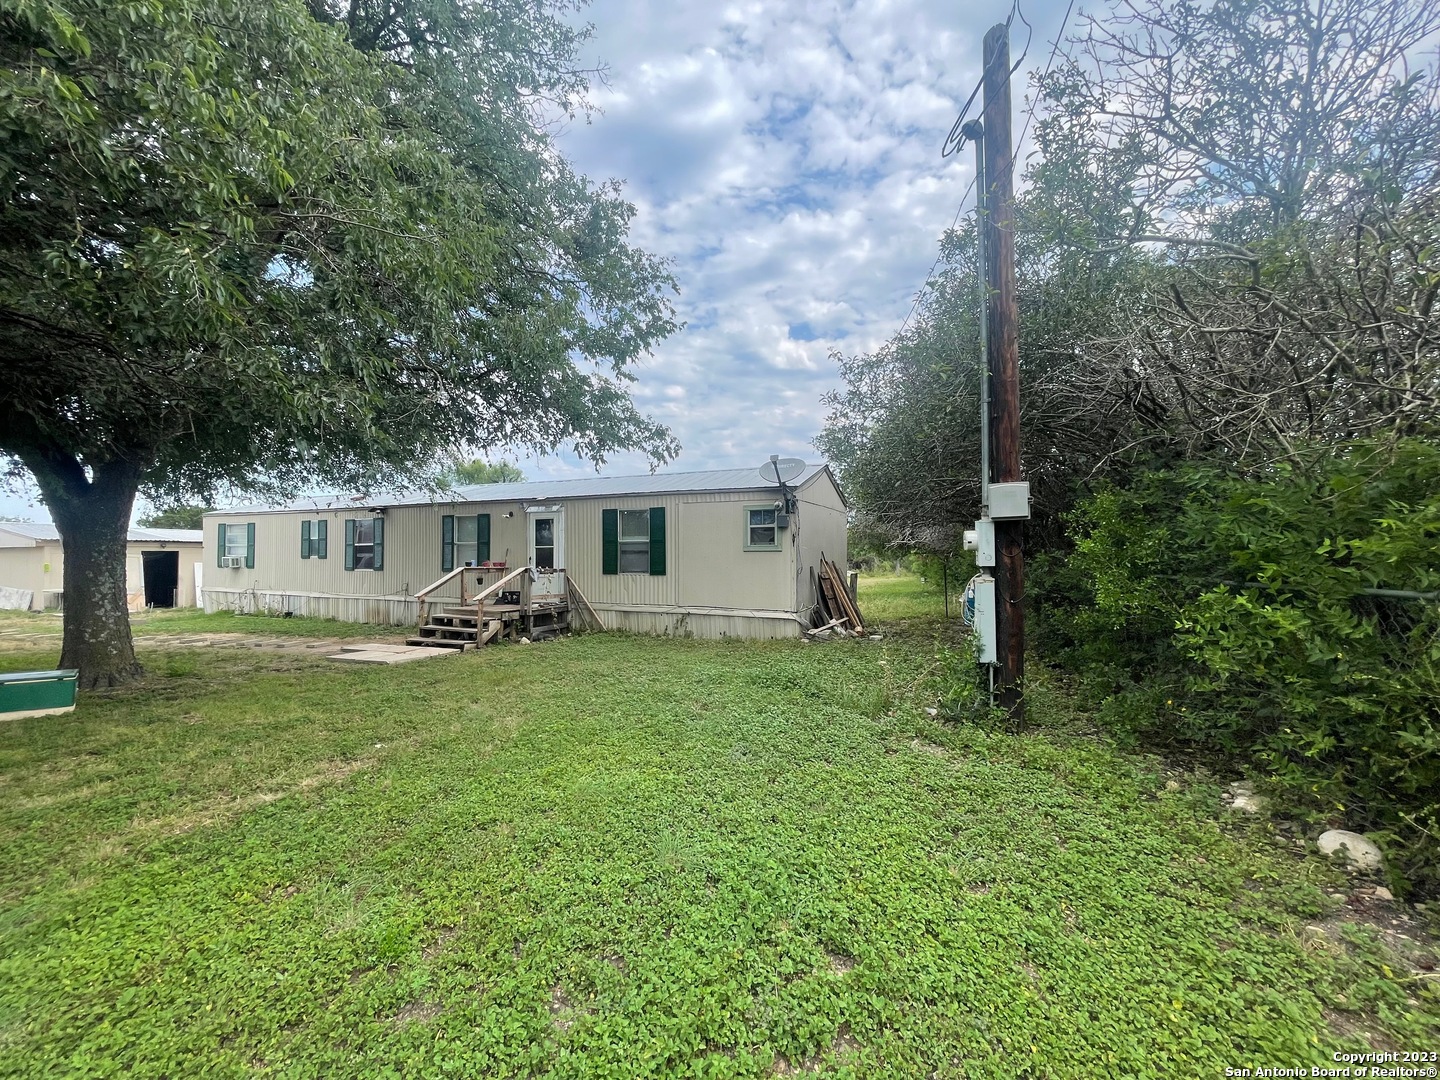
(176, 517)
(252, 246)
(485, 472)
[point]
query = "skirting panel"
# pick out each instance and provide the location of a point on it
(381, 610)
(674, 623)
(711, 623)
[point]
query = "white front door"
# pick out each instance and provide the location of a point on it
(547, 549)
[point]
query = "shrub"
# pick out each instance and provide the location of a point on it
(1234, 612)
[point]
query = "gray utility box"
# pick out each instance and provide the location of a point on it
(985, 618)
(1010, 502)
(981, 540)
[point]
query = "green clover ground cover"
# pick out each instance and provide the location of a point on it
(614, 856)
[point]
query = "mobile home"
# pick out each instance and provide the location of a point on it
(712, 554)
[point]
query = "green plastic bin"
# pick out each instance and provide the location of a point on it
(37, 693)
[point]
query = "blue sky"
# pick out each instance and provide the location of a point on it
(786, 157)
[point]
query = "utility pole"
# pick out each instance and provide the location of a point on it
(1003, 362)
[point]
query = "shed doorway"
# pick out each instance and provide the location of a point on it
(162, 577)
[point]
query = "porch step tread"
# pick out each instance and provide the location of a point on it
(440, 643)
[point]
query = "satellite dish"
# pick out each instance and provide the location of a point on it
(781, 470)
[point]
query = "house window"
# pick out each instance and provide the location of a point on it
(635, 541)
(762, 528)
(365, 543)
(315, 539)
(236, 546)
(464, 541)
(234, 541)
(466, 552)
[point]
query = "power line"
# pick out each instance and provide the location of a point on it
(1035, 101)
(955, 140)
(958, 211)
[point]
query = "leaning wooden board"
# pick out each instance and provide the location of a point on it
(847, 606)
(827, 592)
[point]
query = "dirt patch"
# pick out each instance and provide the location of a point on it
(436, 947)
(1354, 1026)
(562, 1010)
(926, 747)
(839, 963)
(842, 1046)
(418, 1012)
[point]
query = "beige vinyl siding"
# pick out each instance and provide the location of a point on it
(718, 571)
(822, 528)
(22, 568)
(584, 552)
(412, 551)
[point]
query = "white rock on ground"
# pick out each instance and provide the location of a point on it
(1362, 854)
(1242, 787)
(1247, 803)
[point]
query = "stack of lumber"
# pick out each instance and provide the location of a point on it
(839, 613)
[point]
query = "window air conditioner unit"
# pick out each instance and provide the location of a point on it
(233, 562)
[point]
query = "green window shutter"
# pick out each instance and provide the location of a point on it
(379, 543)
(250, 545)
(610, 541)
(447, 543)
(349, 543)
(220, 553)
(657, 541)
(304, 539)
(482, 538)
(321, 544)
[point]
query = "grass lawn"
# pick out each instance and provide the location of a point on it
(615, 856)
(189, 621)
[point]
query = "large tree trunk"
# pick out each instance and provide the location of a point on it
(93, 515)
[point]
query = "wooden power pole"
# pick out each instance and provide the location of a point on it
(1003, 361)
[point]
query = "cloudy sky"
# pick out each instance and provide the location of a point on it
(786, 157)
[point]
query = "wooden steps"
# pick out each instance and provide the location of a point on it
(492, 614)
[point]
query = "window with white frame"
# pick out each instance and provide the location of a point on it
(762, 528)
(635, 541)
(365, 544)
(236, 542)
(467, 540)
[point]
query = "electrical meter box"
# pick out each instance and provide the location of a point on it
(981, 540)
(985, 617)
(1010, 502)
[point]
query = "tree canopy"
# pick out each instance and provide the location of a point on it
(175, 517)
(485, 472)
(248, 246)
(1226, 246)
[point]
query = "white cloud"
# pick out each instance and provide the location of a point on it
(787, 157)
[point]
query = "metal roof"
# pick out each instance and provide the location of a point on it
(674, 483)
(46, 531)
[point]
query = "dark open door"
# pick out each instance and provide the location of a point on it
(162, 577)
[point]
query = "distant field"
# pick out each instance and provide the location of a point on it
(618, 856)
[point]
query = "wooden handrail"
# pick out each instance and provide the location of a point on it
(425, 592)
(478, 597)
